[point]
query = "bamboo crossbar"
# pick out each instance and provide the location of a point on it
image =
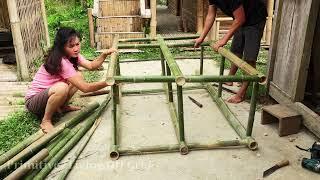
(112, 66)
(192, 147)
(136, 46)
(155, 39)
(188, 79)
(242, 64)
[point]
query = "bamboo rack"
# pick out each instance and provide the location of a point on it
(171, 73)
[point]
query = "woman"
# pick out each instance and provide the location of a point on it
(57, 80)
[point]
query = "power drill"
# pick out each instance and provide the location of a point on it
(311, 164)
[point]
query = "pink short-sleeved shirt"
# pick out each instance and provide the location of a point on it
(44, 80)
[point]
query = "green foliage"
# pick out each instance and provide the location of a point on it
(92, 76)
(15, 128)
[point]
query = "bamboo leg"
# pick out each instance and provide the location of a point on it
(114, 154)
(201, 60)
(223, 59)
(183, 147)
(170, 92)
(163, 73)
(253, 104)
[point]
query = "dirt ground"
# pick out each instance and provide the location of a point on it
(145, 121)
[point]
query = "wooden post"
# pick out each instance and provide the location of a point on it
(91, 27)
(269, 22)
(199, 16)
(22, 64)
(153, 23)
(45, 23)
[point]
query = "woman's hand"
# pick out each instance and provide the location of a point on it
(109, 51)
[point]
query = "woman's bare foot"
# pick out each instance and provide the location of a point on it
(239, 84)
(228, 83)
(235, 99)
(68, 108)
(46, 126)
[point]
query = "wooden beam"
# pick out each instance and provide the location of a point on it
(91, 27)
(269, 22)
(45, 22)
(200, 16)
(153, 23)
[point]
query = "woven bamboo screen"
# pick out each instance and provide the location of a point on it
(119, 24)
(32, 28)
(119, 7)
(4, 16)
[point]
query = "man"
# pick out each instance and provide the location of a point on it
(247, 30)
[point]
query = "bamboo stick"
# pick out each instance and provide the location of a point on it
(37, 145)
(136, 46)
(188, 79)
(74, 158)
(201, 60)
(96, 93)
(112, 66)
(183, 147)
(157, 59)
(269, 21)
(169, 92)
(253, 104)
(155, 39)
(223, 59)
(114, 154)
(174, 68)
(45, 23)
(73, 141)
(19, 147)
(153, 23)
(192, 147)
(163, 67)
(200, 15)
(91, 27)
(242, 64)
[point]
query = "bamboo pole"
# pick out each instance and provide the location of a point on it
(253, 104)
(174, 68)
(201, 60)
(45, 23)
(183, 147)
(112, 66)
(96, 93)
(153, 23)
(74, 158)
(91, 27)
(269, 22)
(163, 67)
(242, 64)
(187, 79)
(22, 64)
(222, 62)
(170, 92)
(155, 39)
(19, 147)
(37, 145)
(73, 141)
(184, 44)
(200, 13)
(192, 147)
(159, 59)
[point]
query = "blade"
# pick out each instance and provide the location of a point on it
(270, 170)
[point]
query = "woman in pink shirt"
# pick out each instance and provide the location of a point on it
(57, 80)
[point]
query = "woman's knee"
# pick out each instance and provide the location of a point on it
(60, 88)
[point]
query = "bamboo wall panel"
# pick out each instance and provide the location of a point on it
(104, 40)
(119, 7)
(4, 15)
(32, 28)
(119, 24)
(293, 49)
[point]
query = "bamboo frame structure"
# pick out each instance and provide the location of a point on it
(171, 73)
(91, 27)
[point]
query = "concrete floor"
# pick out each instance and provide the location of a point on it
(145, 121)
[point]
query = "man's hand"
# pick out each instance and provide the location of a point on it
(197, 42)
(109, 51)
(219, 44)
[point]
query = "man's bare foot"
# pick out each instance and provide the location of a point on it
(46, 126)
(228, 83)
(235, 99)
(68, 108)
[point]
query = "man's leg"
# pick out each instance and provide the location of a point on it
(58, 94)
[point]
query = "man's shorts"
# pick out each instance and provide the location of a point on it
(37, 103)
(246, 41)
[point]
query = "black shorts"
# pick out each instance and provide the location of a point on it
(37, 103)
(246, 41)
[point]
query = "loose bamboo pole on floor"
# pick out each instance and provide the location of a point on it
(242, 64)
(155, 39)
(74, 158)
(73, 141)
(37, 145)
(222, 62)
(112, 66)
(192, 147)
(186, 79)
(253, 104)
(91, 27)
(174, 68)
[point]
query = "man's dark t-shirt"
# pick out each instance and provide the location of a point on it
(255, 10)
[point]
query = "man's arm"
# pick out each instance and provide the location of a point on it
(239, 20)
(211, 16)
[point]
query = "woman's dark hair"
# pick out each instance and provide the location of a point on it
(52, 62)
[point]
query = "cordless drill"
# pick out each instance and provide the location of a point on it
(311, 164)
